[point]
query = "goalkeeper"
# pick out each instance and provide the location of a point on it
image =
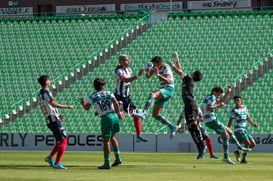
(191, 109)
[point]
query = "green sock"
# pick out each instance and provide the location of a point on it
(244, 155)
(148, 104)
(164, 121)
(226, 147)
(107, 159)
(117, 152)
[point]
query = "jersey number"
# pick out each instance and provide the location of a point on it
(44, 110)
(104, 105)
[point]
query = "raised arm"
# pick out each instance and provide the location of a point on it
(224, 98)
(177, 67)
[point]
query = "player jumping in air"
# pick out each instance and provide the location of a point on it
(49, 109)
(123, 77)
(205, 135)
(211, 121)
(240, 115)
(108, 109)
(161, 96)
(191, 108)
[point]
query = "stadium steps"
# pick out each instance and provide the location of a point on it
(199, 46)
(100, 58)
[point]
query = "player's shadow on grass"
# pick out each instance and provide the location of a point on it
(2, 167)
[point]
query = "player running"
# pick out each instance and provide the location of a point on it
(205, 135)
(191, 108)
(161, 96)
(108, 109)
(240, 115)
(49, 109)
(123, 77)
(211, 121)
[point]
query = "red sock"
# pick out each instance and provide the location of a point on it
(209, 145)
(62, 145)
(54, 150)
(137, 125)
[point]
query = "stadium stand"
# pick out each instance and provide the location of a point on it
(221, 45)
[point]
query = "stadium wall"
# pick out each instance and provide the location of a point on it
(93, 142)
(50, 5)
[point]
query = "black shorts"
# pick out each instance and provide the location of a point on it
(203, 132)
(55, 125)
(125, 103)
(191, 109)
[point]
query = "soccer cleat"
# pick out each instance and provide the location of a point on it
(49, 160)
(173, 131)
(104, 167)
(237, 156)
(200, 156)
(59, 166)
(229, 161)
(140, 138)
(214, 156)
(244, 162)
(116, 163)
(142, 115)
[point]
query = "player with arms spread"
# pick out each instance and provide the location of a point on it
(123, 77)
(210, 103)
(49, 109)
(161, 96)
(191, 108)
(108, 109)
(240, 115)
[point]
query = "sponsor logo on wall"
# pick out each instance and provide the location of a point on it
(85, 8)
(219, 4)
(151, 6)
(17, 11)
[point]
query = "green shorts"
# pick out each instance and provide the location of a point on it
(242, 135)
(109, 125)
(167, 93)
(216, 125)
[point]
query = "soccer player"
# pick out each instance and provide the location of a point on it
(240, 115)
(108, 109)
(123, 77)
(205, 135)
(49, 109)
(211, 121)
(191, 108)
(161, 96)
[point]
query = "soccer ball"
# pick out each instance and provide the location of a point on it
(148, 65)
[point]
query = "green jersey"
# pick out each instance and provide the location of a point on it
(166, 70)
(240, 116)
(210, 100)
(102, 101)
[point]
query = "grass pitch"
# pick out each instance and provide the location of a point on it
(30, 165)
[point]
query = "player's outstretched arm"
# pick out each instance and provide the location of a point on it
(177, 67)
(84, 104)
(131, 79)
(55, 104)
